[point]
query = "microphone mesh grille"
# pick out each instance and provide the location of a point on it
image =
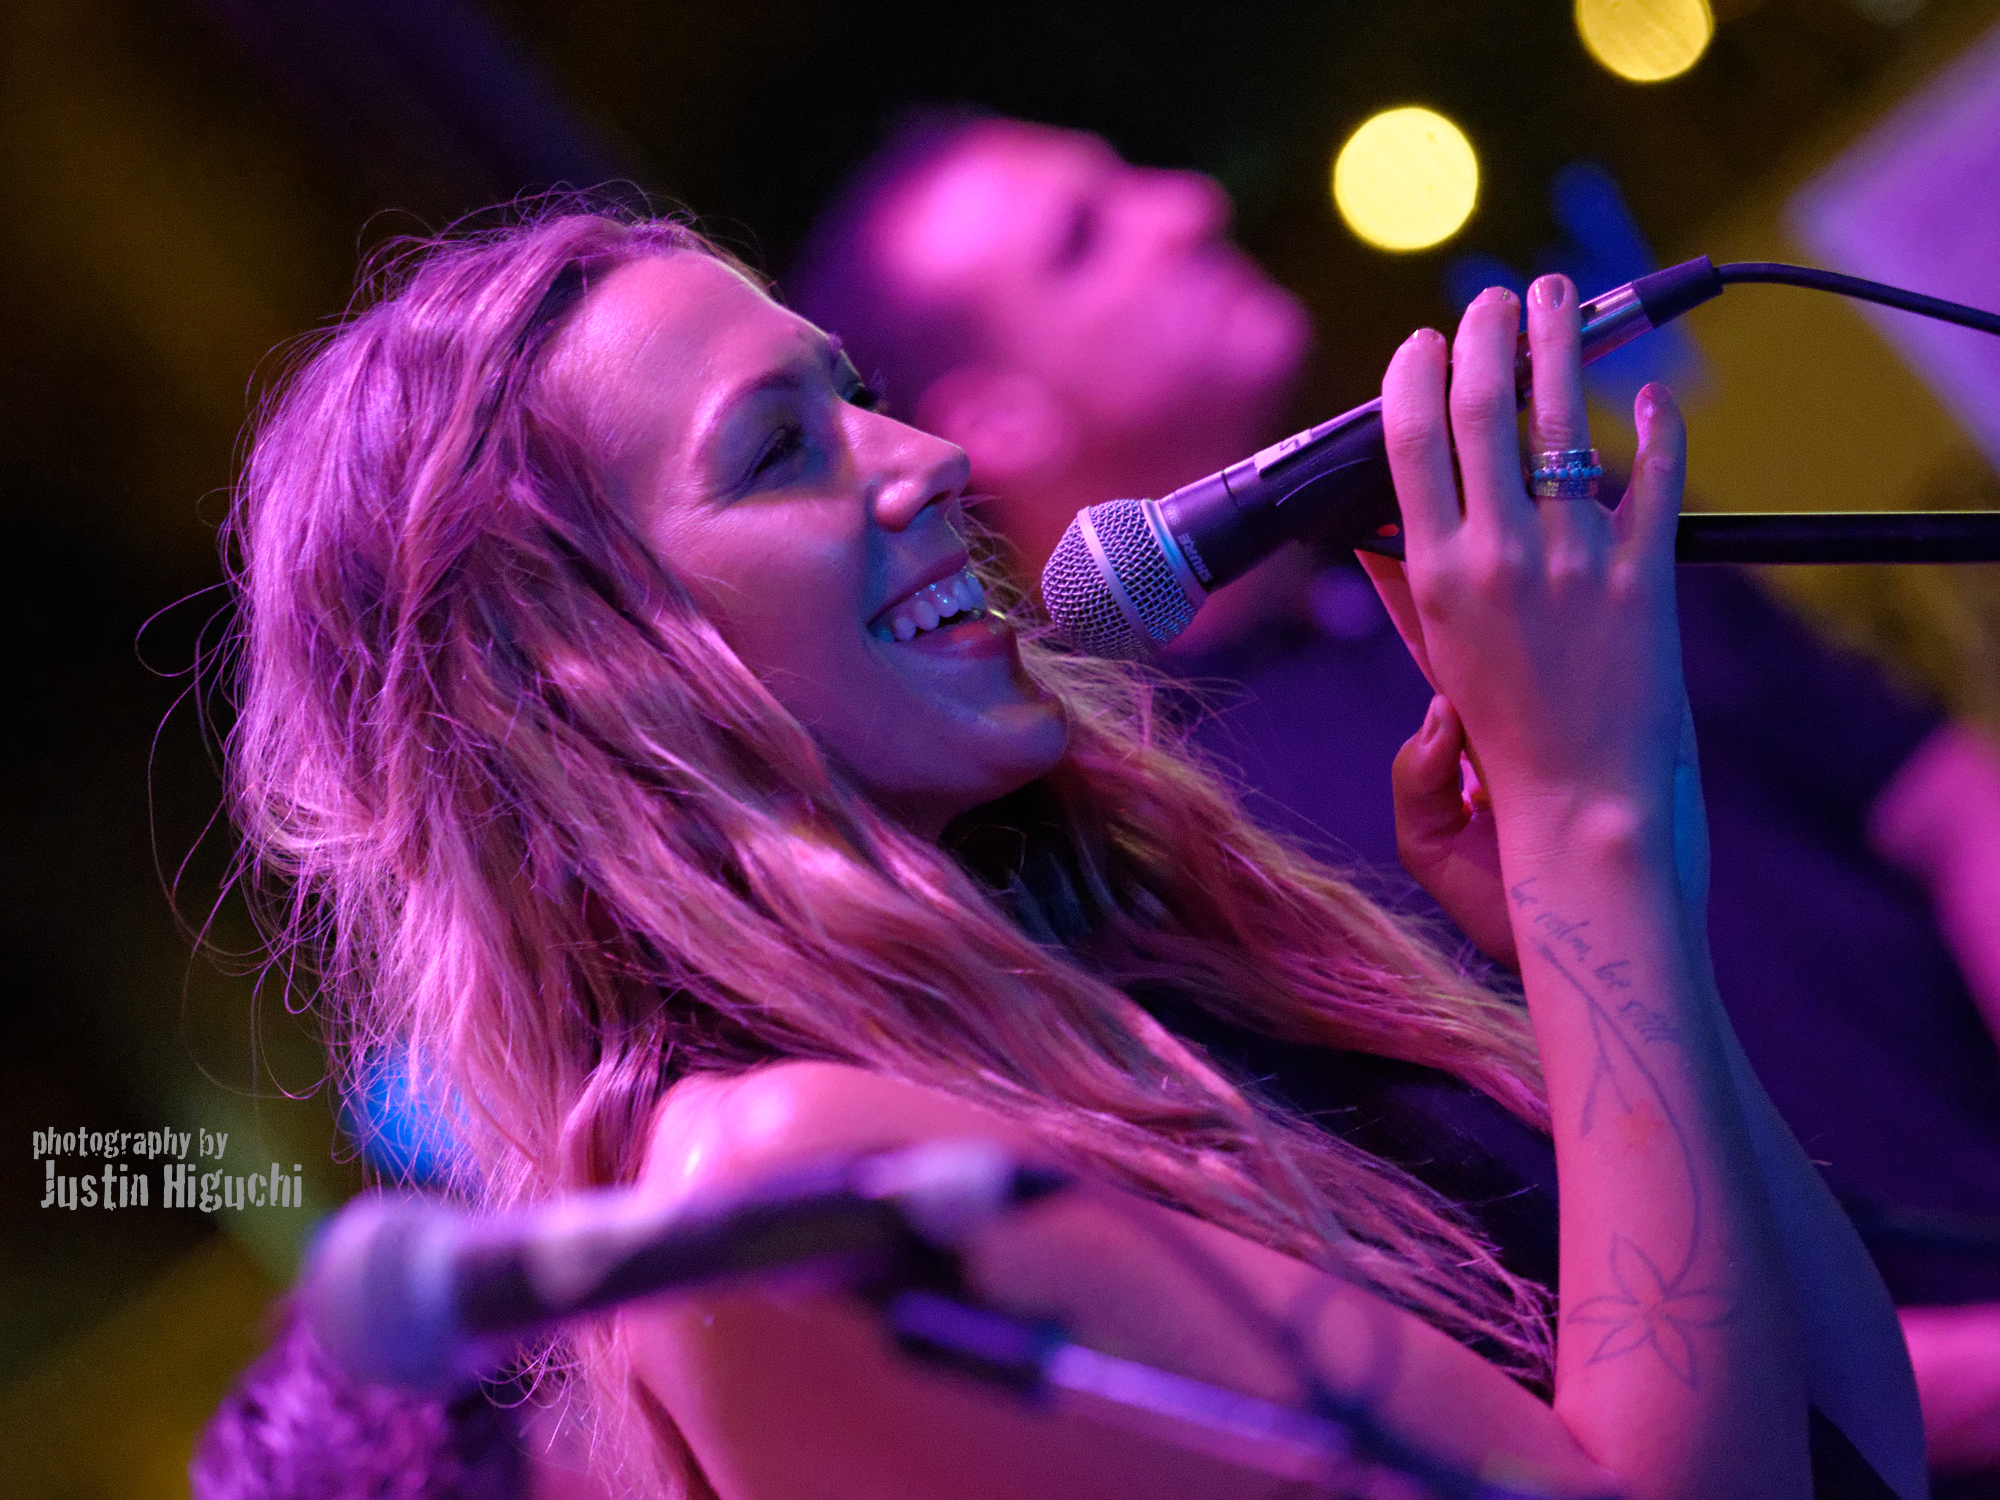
(1081, 601)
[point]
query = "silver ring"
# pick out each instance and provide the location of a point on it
(1564, 474)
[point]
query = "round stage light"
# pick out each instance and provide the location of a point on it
(1406, 180)
(1646, 41)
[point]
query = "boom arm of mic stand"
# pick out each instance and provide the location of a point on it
(1891, 536)
(1799, 537)
(1332, 1452)
(1346, 494)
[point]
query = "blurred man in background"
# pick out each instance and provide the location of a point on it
(1085, 330)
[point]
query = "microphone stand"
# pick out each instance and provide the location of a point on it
(1335, 1448)
(1881, 536)
(414, 1293)
(1807, 537)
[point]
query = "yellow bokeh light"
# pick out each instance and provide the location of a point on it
(1406, 180)
(1646, 40)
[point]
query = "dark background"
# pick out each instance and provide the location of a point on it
(189, 183)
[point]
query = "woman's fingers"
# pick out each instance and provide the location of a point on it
(1484, 410)
(1557, 419)
(1650, 512)
(1453, 852)
(1418, 437)
(1424, 779)
(1393, 584)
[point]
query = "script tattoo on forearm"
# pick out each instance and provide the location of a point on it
(1655, 1306)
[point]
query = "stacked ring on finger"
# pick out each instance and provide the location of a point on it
(1565, 474)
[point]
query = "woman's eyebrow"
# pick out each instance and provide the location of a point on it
(818, 358)
(788, 377)
(822, 356)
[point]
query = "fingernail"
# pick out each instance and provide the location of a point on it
(1496, 294)
(1550, 291)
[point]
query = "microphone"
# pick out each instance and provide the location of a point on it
(409, 1291)
(1128, 575)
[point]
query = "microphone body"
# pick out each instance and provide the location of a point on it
(409, 1291)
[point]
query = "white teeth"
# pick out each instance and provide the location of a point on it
(930, 606)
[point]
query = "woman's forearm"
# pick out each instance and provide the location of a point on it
(1679, 1359)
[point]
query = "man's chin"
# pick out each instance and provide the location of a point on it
(1264, 343)
(1246, 379)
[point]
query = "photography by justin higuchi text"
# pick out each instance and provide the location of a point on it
(130, 1158)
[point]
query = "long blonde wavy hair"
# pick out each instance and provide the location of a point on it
(520, 814)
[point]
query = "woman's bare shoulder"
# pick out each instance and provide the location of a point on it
(713, 1131)
(784, 1396)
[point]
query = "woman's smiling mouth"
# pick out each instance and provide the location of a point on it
(952, 599)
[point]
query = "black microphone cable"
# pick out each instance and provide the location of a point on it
(1778, 273)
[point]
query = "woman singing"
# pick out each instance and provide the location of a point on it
(624, 724)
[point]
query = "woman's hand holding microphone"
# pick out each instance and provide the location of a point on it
(1545, 621)
(1546, 624)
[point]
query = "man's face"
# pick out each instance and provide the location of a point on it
(1114, 285)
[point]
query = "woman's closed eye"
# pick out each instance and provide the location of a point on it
(786, 441)
(793, 427)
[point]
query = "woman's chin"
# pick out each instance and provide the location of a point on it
(1026, 741)
(1015, 744)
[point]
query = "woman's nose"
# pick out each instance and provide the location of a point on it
(926, 471)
